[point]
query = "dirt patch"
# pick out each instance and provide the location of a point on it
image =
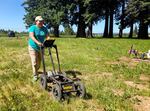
(106, 74)
(138, 86)
(112, 62)
(141, 60)
(141, 103)
(130, 62)
(128, 59)
(98, 75)
(144, 78)
(124, 60)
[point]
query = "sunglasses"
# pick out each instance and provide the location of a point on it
(40, 20)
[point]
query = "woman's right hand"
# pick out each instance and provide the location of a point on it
(39, 44)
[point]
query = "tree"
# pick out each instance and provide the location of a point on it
(68, 30)
(121, 17)
(51, 10)
(102, 9)
(54, 13)
(92, 15)
(30, 7)
(105, 34)
(137, 11)
(81, 21)
(135, 30)
(110, 7)
(131, 30)
(78, 17)
(144, 19)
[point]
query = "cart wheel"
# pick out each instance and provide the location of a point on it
(80, 88)
(43, 81)
(56, 92)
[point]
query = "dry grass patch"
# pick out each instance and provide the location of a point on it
(1, 72)
(124, 60)
(93, 105)
(118, 92)
(130, 62)
(137, 86)
(96, 76)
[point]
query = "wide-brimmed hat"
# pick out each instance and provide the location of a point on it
(39, 18)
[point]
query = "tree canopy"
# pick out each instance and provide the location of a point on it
(85, 13)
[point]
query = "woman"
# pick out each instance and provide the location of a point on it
(37, 34)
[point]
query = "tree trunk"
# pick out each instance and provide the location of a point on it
(105, 34)
(111, 24)
(143, 27)
(81, 22)
(131, 31)
(120, 32)
(143, 30)
(56, 31)
(122, 19)
(90, 29)
(81, 29)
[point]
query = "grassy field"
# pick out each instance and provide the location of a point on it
(114, 81)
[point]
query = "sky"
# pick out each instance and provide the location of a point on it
(12, 13)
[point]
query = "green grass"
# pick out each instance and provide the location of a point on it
(102, 64)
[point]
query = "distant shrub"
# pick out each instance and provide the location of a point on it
(11, 34)
(68, 31)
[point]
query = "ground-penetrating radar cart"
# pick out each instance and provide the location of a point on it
(62, 85)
